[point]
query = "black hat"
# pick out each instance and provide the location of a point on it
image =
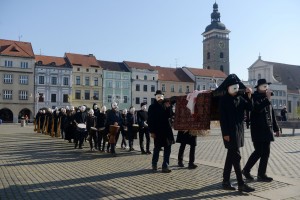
(158, 92)
(231, 79)
(144, 103)
(261, 82)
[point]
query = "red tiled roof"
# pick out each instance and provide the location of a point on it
(16, 48)
(138, 65)
(82, 60)
(113, 66)
(172, 74)
(48, 60)
(207, 72)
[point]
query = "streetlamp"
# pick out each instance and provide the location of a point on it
(37, 96)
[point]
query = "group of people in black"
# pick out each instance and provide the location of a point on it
(93, 125)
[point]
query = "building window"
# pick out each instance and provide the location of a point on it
(203, 87)
(8, 63)
(53, 97)
(221, 55)
(118, 76)
(110, 84)
(208, 55)
(41, 80)
(96, 82)
(208, 67)
(109, 98)
(7, 94)
(24, 65)
(53, 80)
(163, 87)
(109, 75)
(65, 98)
(78, 69)
(145, 77)
(77, 80)
(77, 94)
(289, 106)
(221, 68)
(137, 76)
(198, 87)
(23, 95)
(87, 70)
(145, 100)
(172, 88)
(125, 99)
(7, 78)
(87, 95)
(259, 76)
(125, 85)
(152, 88)
(180, 89)
(24, 80)
(41, 97)
(137, 100)
(118, 84)
(145, 88)
(187, 88)
(153, 78)
(152, 100)
(96, 95)
(66, 81)
(87, 81)
(137, 87)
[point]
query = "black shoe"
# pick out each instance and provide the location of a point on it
(245, 188)
(180, 164)
(192, 166)
(166, 170)
(154, 168)
(264, 178)
(114, 155)
(227, 186)
(80, 148)
(143, 152)
(247, 175)
(148, 152)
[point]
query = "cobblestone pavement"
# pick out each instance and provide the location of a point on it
(35, 166)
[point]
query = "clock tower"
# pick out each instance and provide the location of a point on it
(216, 44)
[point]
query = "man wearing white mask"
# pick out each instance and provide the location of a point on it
(130, 122)
(81, 132)
(232, 109)
(102, 134)
(142, 117)
(263, 125)
(159, 114)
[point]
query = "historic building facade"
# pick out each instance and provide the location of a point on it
(143, 82)
(53, 82)
(17, 76)
(87, 79)
(216, 44)
(116, 84)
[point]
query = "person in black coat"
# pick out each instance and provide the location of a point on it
(142, 117)
(80, 118)
(131, 120)
(283, 113)
(184, 138)
(232, 110)
(159, 114)
(102, 133)
(263, 123)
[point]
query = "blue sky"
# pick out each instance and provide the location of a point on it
(166, 33)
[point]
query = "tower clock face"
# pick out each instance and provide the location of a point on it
(221, 44)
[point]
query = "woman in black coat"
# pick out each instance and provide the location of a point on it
(184, 138)
(263, 126)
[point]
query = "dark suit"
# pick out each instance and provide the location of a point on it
(263, 123)
(232, 112)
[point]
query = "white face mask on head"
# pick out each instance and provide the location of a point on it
(95, 106)
(263, 87)
(144, 107)
(233, 89)
(103, 109)
(132, 110)
(125, 111)
(159, 97)
(82, 108)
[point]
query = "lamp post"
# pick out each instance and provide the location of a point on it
(37, 100)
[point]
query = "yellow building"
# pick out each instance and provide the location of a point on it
(87, 80)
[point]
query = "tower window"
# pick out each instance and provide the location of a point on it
(208, 67)
(222, 68)
(221, 55)
(208, 56)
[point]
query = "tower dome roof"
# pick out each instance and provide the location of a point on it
(215, 20)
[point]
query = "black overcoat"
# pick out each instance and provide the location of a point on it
(158, 123)
(232, 114)
(263, 121)
(186, 138)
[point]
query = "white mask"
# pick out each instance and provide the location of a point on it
(91, 112)
(144, 107)
(159, 97)
(82, 108)
(114, 106)
(233, 89)
(132, 110)
(103, 109)
(263, 87)
(125, 111)
(174, 108)
(95, 106)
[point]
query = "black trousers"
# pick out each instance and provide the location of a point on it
(262, 152)
(181, 153)
(233, 158)
(93, 138)
(142, 132)
(79, 137)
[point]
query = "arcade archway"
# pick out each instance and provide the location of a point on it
(23, 113)
(6, 115)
